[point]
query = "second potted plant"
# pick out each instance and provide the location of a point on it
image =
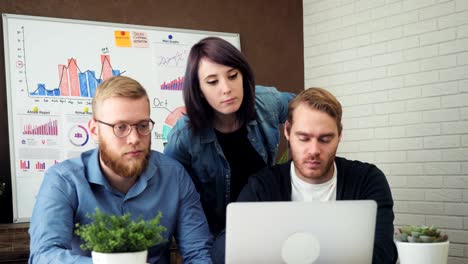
(422, 245)
(119, 239)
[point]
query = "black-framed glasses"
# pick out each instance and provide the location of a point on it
(123, 129)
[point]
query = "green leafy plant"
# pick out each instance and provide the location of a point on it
(420, 234)
(284, 157)
(112, 234)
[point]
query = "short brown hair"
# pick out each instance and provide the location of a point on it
(117, 86)
(318, 99)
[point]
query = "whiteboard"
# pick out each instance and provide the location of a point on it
(52, 69)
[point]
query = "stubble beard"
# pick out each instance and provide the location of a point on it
(320, 174)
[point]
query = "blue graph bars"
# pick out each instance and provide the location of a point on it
(74, 82)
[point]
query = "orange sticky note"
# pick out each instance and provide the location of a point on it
(122, 38)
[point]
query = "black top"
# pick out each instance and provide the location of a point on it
(241, 156)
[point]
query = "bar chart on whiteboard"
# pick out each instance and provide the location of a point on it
(54, 67)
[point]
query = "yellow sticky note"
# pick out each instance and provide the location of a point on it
(122, 38)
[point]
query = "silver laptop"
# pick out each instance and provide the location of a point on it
(300, 232)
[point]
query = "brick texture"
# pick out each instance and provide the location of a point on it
(400, 67)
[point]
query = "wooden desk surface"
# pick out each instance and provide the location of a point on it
(14, 245)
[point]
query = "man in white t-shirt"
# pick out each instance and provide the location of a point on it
(313, 131)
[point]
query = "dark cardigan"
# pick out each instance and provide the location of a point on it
(355, 181)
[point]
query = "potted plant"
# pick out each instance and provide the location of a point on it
(421, 244)
(119, 239)
(284, 157)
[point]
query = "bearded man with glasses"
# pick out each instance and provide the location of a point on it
(123, 175)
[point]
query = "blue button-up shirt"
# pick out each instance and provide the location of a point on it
(203, 156)
(75, 187)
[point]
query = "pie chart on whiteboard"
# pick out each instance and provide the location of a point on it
(78, 135)
(171, 120)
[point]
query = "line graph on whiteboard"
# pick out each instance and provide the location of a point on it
(177, 59)
(72, 81)
(77, 83)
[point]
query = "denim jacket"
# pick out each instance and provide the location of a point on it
(204, 160)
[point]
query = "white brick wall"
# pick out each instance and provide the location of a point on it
(400, 69)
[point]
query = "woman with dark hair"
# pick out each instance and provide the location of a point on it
(231, 129)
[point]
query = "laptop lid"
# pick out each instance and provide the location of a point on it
(300, 232)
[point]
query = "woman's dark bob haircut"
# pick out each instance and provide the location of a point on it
(199, 112)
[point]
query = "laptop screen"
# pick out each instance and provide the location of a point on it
(300, 232)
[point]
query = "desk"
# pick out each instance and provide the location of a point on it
(14, 245)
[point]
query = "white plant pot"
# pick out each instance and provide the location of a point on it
(120, 258)
(423, 253)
